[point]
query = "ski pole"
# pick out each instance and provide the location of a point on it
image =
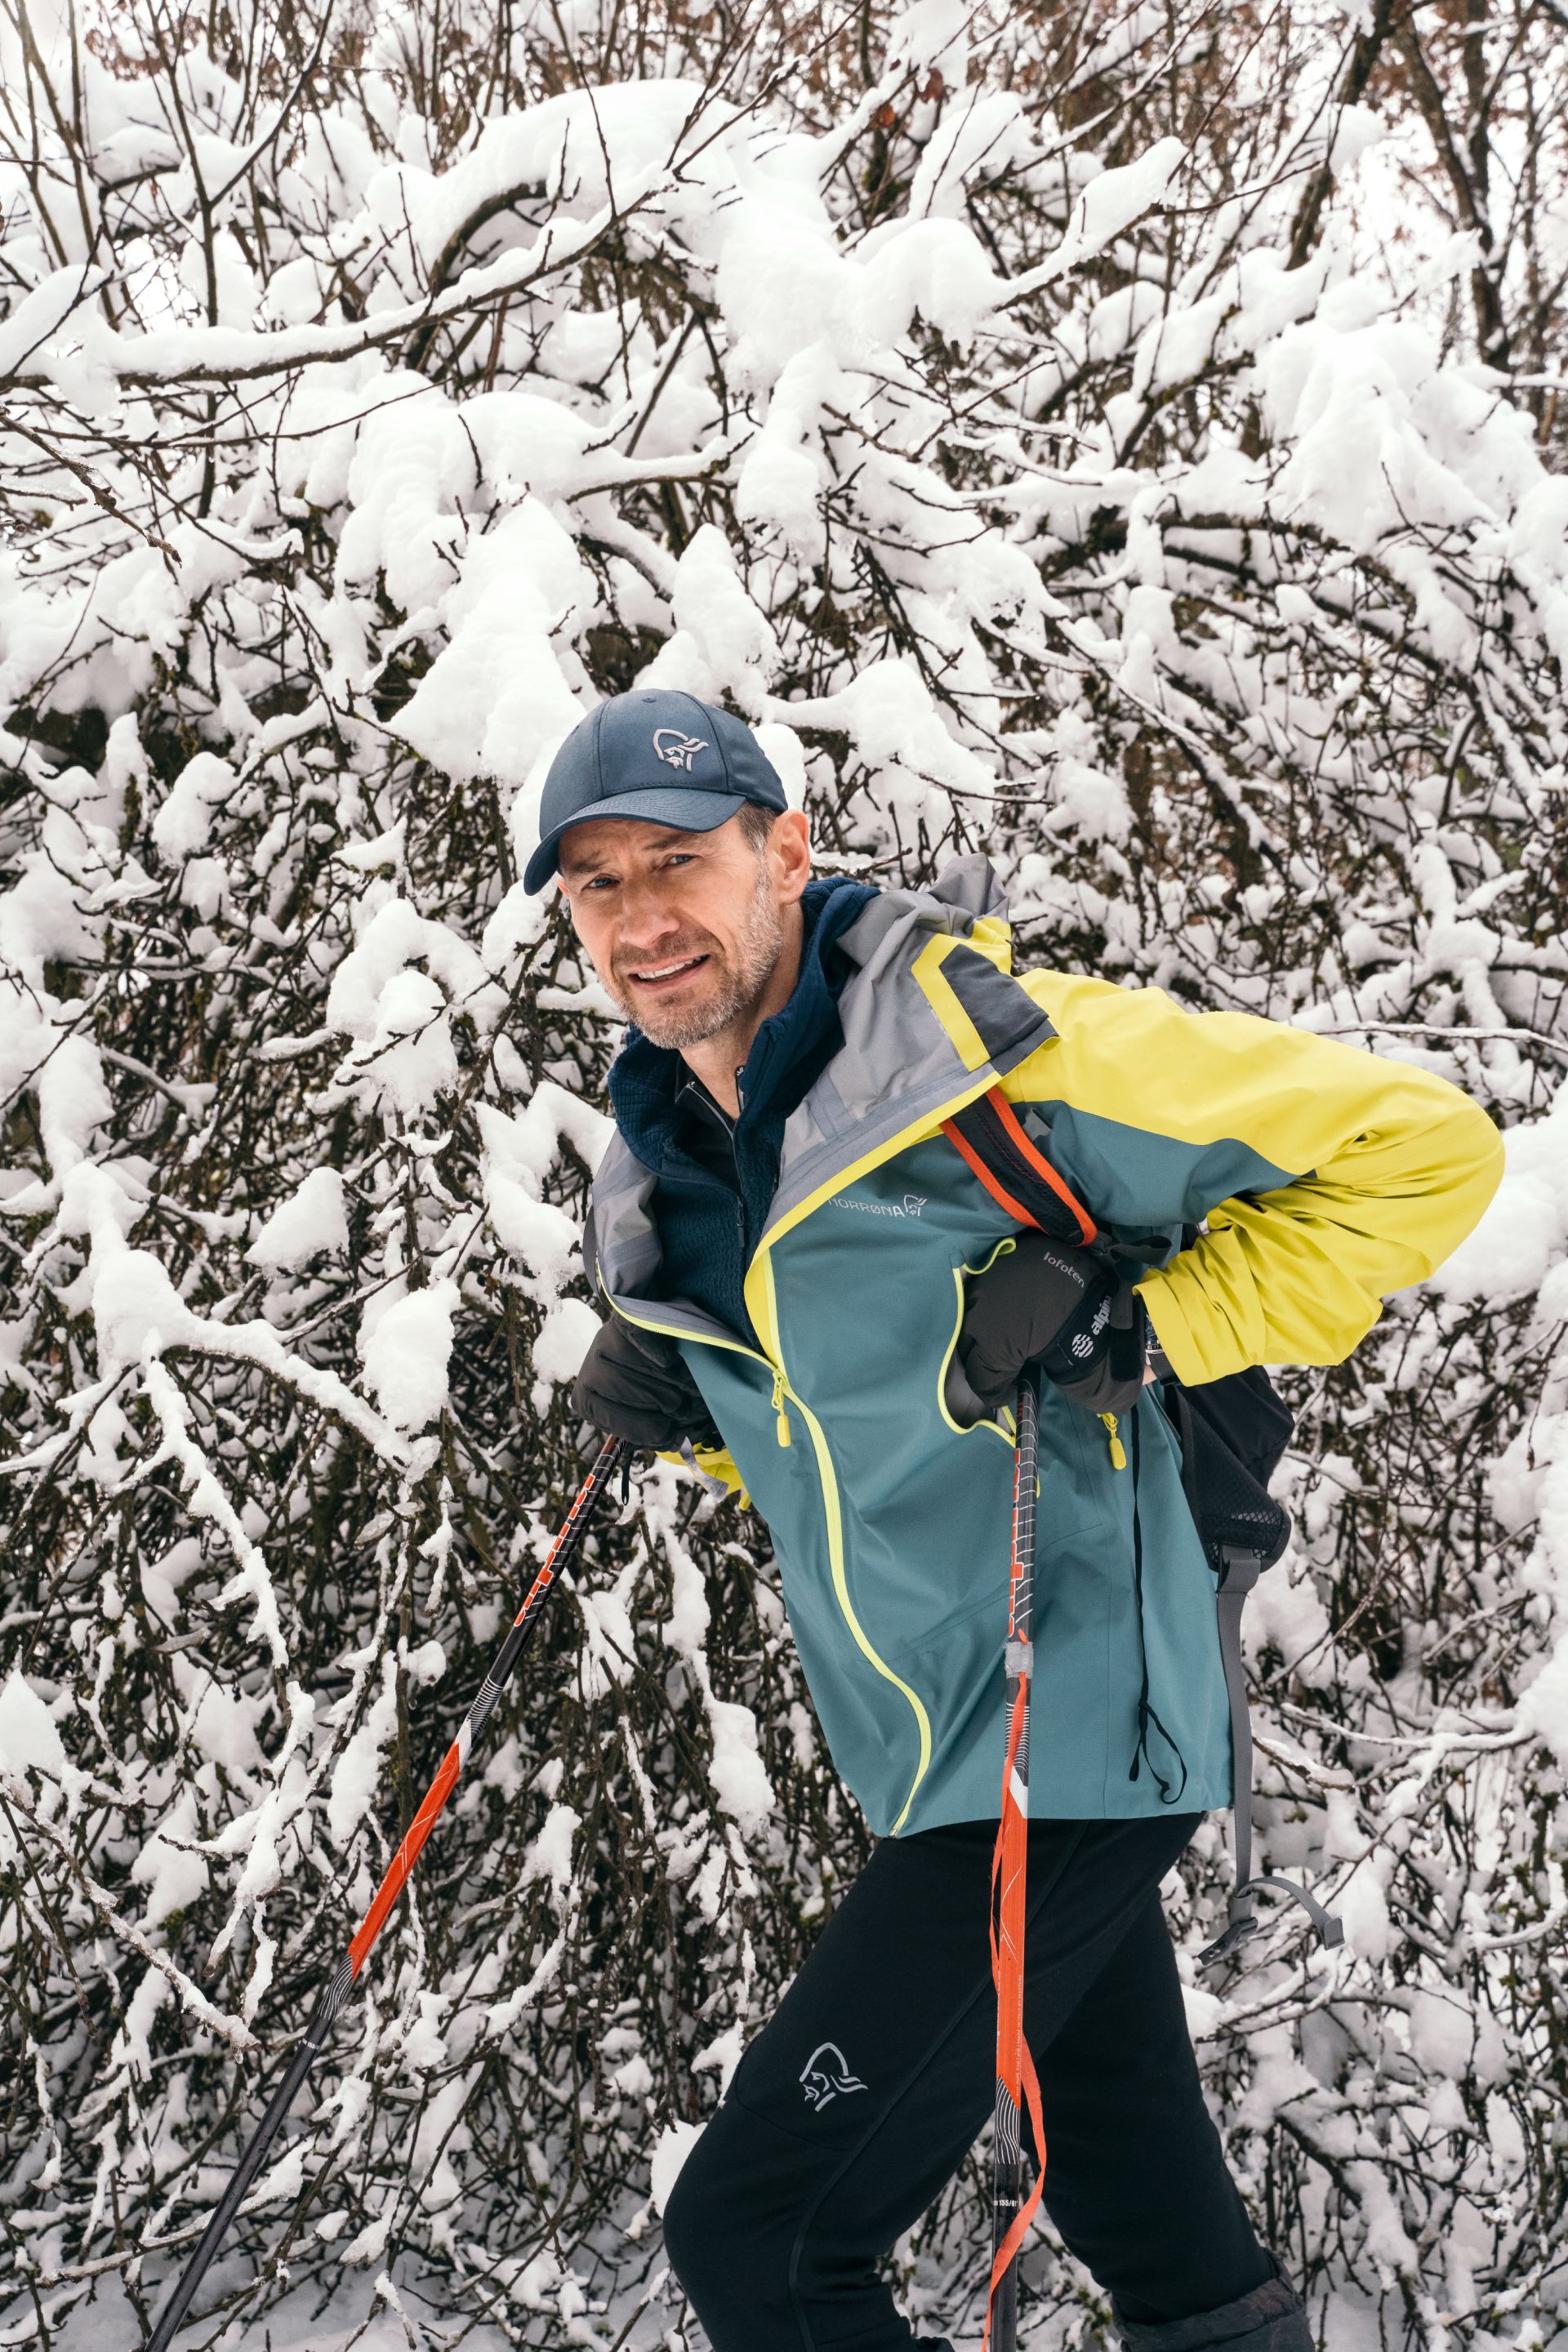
(1016, 2080)
(563, 1551)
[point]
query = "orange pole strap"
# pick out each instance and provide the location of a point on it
(1018, 2089)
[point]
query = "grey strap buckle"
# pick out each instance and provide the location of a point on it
(1240, 1570)
(1244, 1918)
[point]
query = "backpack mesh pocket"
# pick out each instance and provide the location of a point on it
(1232, 1510)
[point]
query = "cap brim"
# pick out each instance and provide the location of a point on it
(692, 811)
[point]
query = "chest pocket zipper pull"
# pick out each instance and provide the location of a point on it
(779, 1408)
(1118, 1451)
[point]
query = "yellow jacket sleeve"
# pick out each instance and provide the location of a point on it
(1329, 1177)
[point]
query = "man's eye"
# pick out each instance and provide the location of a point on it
(600, 882)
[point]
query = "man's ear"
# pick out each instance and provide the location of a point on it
(789, 854)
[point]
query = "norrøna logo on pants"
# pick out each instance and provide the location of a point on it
(825, 2074)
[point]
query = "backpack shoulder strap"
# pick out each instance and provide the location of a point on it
(1015, 1171)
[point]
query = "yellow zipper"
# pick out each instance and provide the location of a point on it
(1118, 1451)
(833, 1514)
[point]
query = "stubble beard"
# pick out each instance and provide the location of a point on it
(744, 976)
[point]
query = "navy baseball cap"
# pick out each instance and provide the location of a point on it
(655, 754)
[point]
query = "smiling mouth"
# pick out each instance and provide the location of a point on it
(656, 976)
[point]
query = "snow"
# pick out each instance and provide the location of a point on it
(723, 647)
(73, 1102)
(1361, 1907)
(1441, 2034)
(495, 702)
(1523, 1235)
(136, 1309)
(28, 1739)
(550, 1854)
(1112, 200)
(740, 1779)
(172, 1874)
(673, 2146)
(406, 1354)
(1543, 1706)
(888, 714)
(565, 1335)
(357, 1774)
(780, 281)
(312, 1219)
(182, 825)
(393, 935)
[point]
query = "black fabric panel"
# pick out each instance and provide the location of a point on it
(1005, 1014)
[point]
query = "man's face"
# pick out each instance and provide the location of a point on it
(684, 928)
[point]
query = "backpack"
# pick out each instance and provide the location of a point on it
(1231, 1433)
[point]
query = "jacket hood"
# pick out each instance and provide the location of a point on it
(965, 893)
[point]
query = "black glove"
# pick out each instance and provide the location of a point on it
(635, 1385)
(1045, 1302)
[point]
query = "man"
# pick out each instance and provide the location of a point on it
(809, 1281)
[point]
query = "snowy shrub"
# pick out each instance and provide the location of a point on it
(1124, 439)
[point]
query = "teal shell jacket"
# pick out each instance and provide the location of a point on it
(1323, 1177)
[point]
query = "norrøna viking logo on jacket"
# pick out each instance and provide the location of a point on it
(826, 2074)
(675, 750)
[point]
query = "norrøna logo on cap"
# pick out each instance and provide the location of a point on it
(675, 750)
(826, 2074)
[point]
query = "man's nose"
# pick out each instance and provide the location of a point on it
(646, 916)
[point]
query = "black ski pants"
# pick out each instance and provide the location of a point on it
(860, 2097)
